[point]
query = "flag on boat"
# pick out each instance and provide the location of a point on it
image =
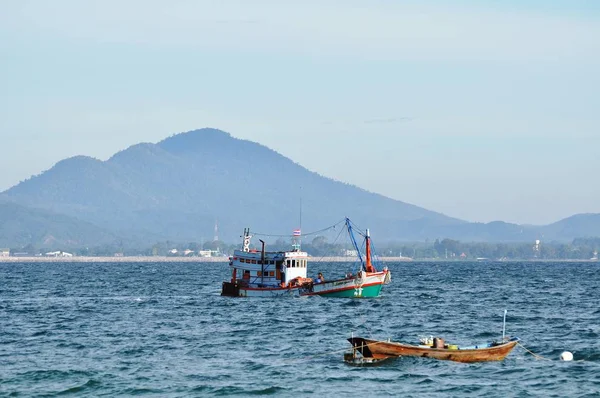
(297, 232)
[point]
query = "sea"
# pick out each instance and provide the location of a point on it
(163, 330)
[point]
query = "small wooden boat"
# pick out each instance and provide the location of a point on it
(379, 350)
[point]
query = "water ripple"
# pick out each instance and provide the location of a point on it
(163, 330)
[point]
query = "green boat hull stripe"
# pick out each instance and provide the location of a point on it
(365, 292)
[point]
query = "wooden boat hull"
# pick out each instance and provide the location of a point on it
(383, 349)
(366, 287)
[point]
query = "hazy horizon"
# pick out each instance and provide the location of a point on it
(480, 111)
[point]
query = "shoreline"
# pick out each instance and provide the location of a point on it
(164, 259)
(332, 259)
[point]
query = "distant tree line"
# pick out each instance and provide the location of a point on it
(578, 249)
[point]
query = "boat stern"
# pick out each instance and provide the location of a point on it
(230, 289)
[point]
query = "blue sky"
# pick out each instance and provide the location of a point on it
(480, 110)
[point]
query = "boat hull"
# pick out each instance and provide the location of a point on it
(365, 292)
(384, 349)
(367, 286)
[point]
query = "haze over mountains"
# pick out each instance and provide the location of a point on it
(178, 188)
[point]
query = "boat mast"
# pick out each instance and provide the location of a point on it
(504, 327)
(369, 265)
(353, 240)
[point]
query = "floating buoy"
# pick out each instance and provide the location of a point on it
(566, 356)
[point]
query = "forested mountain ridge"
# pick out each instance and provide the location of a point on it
(179, 188)
(21, 226)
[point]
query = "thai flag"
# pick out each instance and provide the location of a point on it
(297, 232)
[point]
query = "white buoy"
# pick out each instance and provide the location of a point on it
(566, 356)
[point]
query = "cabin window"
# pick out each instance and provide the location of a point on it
(271, 273)
(258, 273)
(253, 261)
(293, 263)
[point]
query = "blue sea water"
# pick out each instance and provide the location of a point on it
(162, 329)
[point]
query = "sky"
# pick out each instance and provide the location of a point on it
(481, 110)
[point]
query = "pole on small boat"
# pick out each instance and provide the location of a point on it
(262, 262)
(504, 326)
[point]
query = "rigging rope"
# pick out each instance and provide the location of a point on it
(357, 229)
(533, 353)
(336, 238)
(306, 234)
(539, 356)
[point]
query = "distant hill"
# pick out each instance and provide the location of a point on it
(21, 226)
(178, 188)
(577, 226)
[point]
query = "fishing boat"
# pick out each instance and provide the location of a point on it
(376, 350)
(260, 273)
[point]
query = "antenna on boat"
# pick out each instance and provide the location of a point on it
(301, 208)
(297, 234)
(262, 262)
(504, 325)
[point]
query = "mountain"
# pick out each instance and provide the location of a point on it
(21, 226)
(180, 187)
(577, 226)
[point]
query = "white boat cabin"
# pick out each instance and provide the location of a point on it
(253, 268)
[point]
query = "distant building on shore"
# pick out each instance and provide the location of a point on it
(210, 253)
(205, 253)
(21, 254)
(58, 254)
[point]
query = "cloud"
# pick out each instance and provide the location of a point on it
(236, 21)
(388, 120)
